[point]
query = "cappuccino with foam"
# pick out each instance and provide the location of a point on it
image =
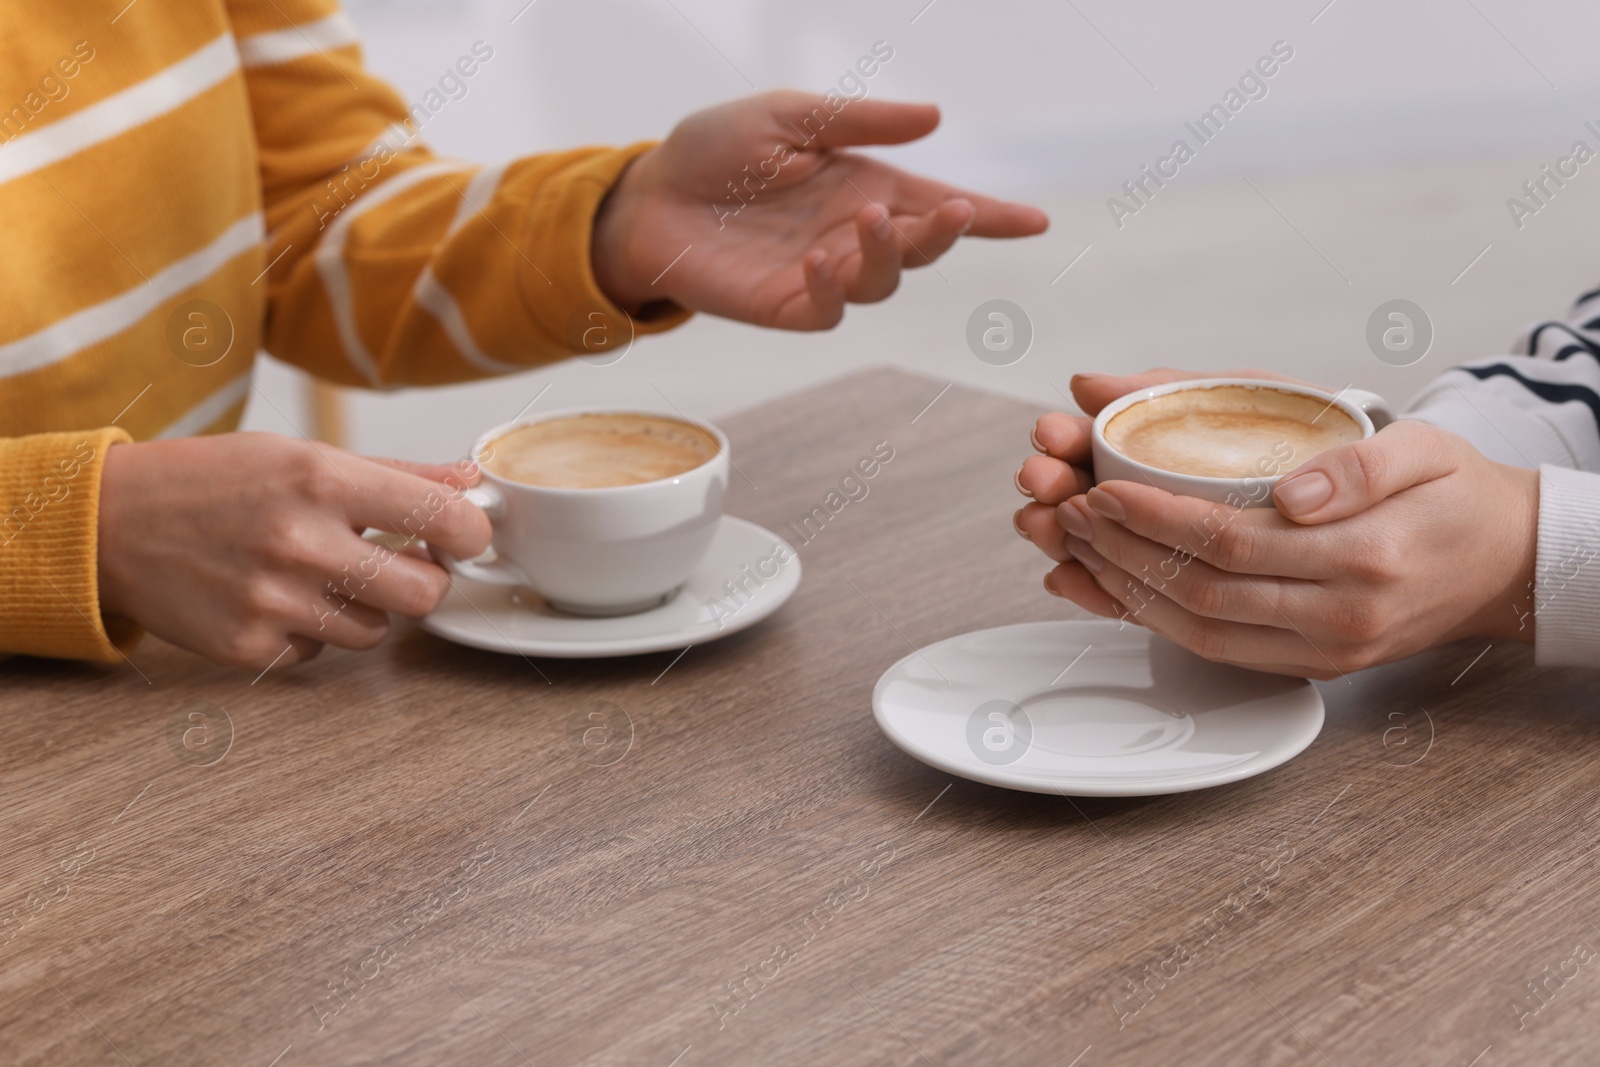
(1228, 431)
(599, 451)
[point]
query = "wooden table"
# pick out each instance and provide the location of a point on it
(411, 856)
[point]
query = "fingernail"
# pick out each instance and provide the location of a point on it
(1033, 438)
(1086, 556)
(1016, 524)
(1020, 488)
(1048, 588)
(1105, 504)
(1304, 493)
(1073, 521)
(882, 228)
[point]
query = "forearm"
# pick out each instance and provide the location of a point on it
(439, 273)
(389, 265)
(1540, 409)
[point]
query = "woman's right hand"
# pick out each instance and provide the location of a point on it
(247, 547)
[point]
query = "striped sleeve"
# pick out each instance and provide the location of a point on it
(1540, 408)
(390, 265)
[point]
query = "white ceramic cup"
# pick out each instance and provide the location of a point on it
(605, 551)
(1369, 410)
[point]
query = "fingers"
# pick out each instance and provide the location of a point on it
(1192, 583)
(301, 649)
(1063, 436)
(1095, 391)
(875, 273)
(858, 122)
(1050, 481)
(347, 624)
(1071, 581)
(1002, 218)
(986, 217)
(820, 305)
(1239, 540)
(342, 598)
(897, 241)
(462, 472)
(265, 651)
(1260, 647)
(926, 237)
(1344, 481)
(1037, 523)
(383, 580)
(386, 498)
(886, 244)
(872, 271)
(911, 194)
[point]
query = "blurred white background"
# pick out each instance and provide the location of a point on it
(1378, 166)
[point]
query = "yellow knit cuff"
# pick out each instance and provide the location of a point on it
(561, 294)
(49, 541)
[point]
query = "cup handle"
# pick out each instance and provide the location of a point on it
(488, 567)
(1374, 406)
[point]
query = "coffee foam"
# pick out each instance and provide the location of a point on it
(599, 450)
(1229, 431)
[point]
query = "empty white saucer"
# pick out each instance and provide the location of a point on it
(740, 582)
(1083, 708)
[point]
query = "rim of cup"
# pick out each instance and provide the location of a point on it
(1127, 400)
(489, 436)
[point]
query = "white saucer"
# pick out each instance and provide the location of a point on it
(1135, 715)
(506, 619)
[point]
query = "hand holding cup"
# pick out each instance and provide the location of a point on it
(1377, 549)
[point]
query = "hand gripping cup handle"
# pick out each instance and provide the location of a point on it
(488, 567)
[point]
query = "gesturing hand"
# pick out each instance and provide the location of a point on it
(775, 225)
(241, 545)
(1377, 550)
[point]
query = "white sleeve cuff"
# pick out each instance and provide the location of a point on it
(1566, 588)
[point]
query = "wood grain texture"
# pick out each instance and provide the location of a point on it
(403, 858)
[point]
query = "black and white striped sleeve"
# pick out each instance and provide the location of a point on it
(1540, 408)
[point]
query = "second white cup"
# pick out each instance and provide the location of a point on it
(610, 550)
(1368, 410)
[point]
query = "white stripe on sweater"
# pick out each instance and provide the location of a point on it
(210, 409)
(431, 295)
(108, 318)
(308, 39)
(117, 114)
(336, 275)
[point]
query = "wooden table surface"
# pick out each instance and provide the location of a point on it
(408, 855)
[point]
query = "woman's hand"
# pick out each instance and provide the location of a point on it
(247, 547)
(1377, 550)
(773, 223)
(1064, 470)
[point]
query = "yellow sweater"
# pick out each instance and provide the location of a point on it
(182, 184)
